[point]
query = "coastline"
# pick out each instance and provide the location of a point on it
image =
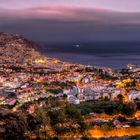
(105, 56)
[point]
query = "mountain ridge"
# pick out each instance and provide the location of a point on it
(15, 49)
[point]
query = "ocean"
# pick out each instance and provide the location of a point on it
(109, 54)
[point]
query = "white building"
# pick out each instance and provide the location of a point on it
(133, 94)
(81, 97)
(89, 97)
(11, 84)
(106, 94)
(73, 100)
(116, 92)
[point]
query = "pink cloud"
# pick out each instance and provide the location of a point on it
(73, 14)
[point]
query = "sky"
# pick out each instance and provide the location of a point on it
(54, 21)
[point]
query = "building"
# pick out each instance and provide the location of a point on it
(133, 94)
(116, 92)
(72, 99)
(10, 101)
(89, 97)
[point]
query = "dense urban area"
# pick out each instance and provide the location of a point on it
(44, 98)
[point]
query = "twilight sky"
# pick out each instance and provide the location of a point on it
(71, 20)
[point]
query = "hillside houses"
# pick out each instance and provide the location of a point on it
(133, 94)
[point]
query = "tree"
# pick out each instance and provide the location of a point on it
(105, 127)
(120, 98)
(72, 112)
(37, 119)
(120, 108)
(129, 109)
(58, 118)
(106, 98)
(67, 119)
(16, 126)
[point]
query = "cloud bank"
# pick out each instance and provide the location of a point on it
(72, 14)
(64, 24)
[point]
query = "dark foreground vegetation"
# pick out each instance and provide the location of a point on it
(55, 119)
